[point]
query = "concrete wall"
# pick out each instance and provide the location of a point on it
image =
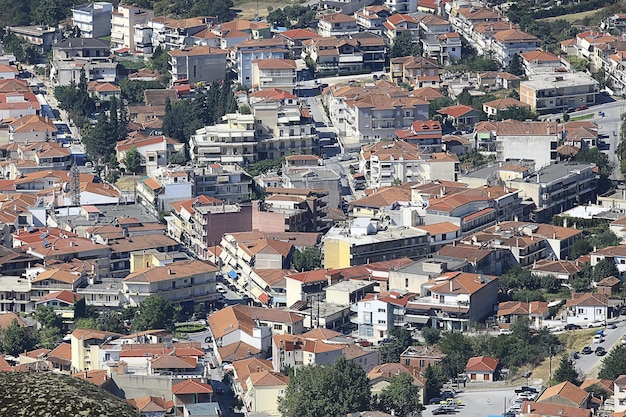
(137, 386)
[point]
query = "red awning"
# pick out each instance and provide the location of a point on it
(264, 298)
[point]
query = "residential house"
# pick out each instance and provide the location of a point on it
(8, 72)
(511, 311)
(372, 18)
(31, 129)
(264, 388)
(402, 6)
(93, 20)
(303, 210)
(73, 55)
(181, 281)
(460, 115)
(609, 286)
(425, 134)
(530, 408)
(494, 108)
(498, 80)
(619, 393)
(586, 308)
(197, 63)
(60, 358)
(88, 349)
(418, 358)
(332, 55)
(273, 73)
(617, 253)
(168, 33)
(379, 314)
(192, 397)
(150, 406)
(15, 295)
(454, 299)
(565, 394)
(373, 48)
(564, 271)
(416, 71)
(154, 151)
(399, 23)
(294, 38)
(445, 48)
(337, 25)
(411, 277)
(559, 92)
(482, 368)
(536, 62)
(15, 105)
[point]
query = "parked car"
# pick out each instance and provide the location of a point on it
(600, 351)
(572, 326)
(586, 350)
(611, 326)
(575, 355)
(447, 394)
(624, 340)
(581, 108)
(598, 338)
(440, 410)
(526, 389)
(596, 323)
(526, 374)
(435, 400)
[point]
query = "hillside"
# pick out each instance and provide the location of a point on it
(50, 394)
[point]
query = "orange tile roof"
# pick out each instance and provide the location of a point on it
(268, 378)
(275, 63)
(174, 270)
(191, 386)
(462, 283)
(482, 363)
(456, 111)
(198, 50)
(65, 296)
(439, 228)
(565, 390)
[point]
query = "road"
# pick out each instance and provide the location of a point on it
(589, 365)
(481, 402)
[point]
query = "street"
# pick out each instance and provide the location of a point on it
(481, 402)
(589, 365)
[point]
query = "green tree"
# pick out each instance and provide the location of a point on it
(85, 323)
(133, 90)
(110, 321)
(614, 364)
(517, 113)
(515, 66)
(431, 335)
(132, 160)
(46, 316)
(434, 382)
(579, 248)
(565, 372)
(550, 283)
(458, 349)
(15, 339)
(403, 45)
(307, 259)
(399, 340)
(604, 268)
(598, 391)
(401, 397)
(155, 313)
(160, 61)
(331, 390)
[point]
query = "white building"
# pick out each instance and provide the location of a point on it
(93, 19)
(379, 314)
(232, 142)
(123, 22)
(587, 308)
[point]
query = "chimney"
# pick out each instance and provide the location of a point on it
(451, 285)
(169, 271)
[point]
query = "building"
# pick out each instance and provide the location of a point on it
(418, 71)
(273, 73)
(93, 20)
(494, 108)
(73, 55)
(124, 22)
(558, 92)
(508, 43)
(232, 142)
(536, 62)
(372, 18)
(587, 308)
(379, 314)
(565, 394)
(400, 23)
(197, 63)
(88, 348)
(453, 300)
(443, 48)
(402, 6)
(155, 151)
(482, 369)
(257, 49)
(179, 282)
(337, 25)
(41, 36)
(361, 242)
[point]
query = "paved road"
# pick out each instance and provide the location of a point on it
(590, 364)
(481, 402)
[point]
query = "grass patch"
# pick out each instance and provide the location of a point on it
(573, 17)
(583, 117)
(190, 328)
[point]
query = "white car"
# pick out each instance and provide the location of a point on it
(597, 323)
(624, 340)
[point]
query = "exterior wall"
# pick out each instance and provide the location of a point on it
(336, 254)
(541, 149)
(478, 376)
(264, 399)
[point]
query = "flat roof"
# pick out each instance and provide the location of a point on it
(565, 79)
(107, 214)
(350, 285)
(554, 172)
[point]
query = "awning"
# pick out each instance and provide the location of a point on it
(264, 298)
(232, 273)
(416, 319)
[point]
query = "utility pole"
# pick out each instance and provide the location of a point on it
(550, 372)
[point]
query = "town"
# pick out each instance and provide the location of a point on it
(328, 208)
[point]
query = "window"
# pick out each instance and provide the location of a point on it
(382, 310)
(278, 327)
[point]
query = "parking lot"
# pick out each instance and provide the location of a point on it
(480, 402)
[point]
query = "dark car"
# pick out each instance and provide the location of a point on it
(572, 326)
(447, 394)
(586, 350)
(440, 410)
(600, 351)
(435, 400)
(526, 389)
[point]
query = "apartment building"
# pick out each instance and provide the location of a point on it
(123, 24)
(536, 62)
(399, 23)
(332, 55)
(73, 55)
(93, 20)
(257, 49)
(379, 314)
(453, 300)
(198, 63)
(444, 48)
(232, 142)
(304, 210)
(337, 25)
(178, 282)
(361, 242)
(155, 151)
(229, 183)
(559, 92)
(508, 43)
(274, 73)
(402, 6)
(372, 18)
(416, 71)
(385, 163)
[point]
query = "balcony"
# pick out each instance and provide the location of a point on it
(351, 59)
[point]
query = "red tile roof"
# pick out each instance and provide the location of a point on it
(482, 364)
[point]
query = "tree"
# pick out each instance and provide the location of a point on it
(434, 382)
(579, 248)
(110, 321)
(614, 364)
(399, 340)
(517, 113)
(401, 397)
(604, 268)
(515, 66)
(307, 259)
(458, 350)
(46, 316)
(15, 339)
(155, 313)
(565, 372)
(132, 160)
(550, 283)
(431, 335)
(403, 45)
(330, 390)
